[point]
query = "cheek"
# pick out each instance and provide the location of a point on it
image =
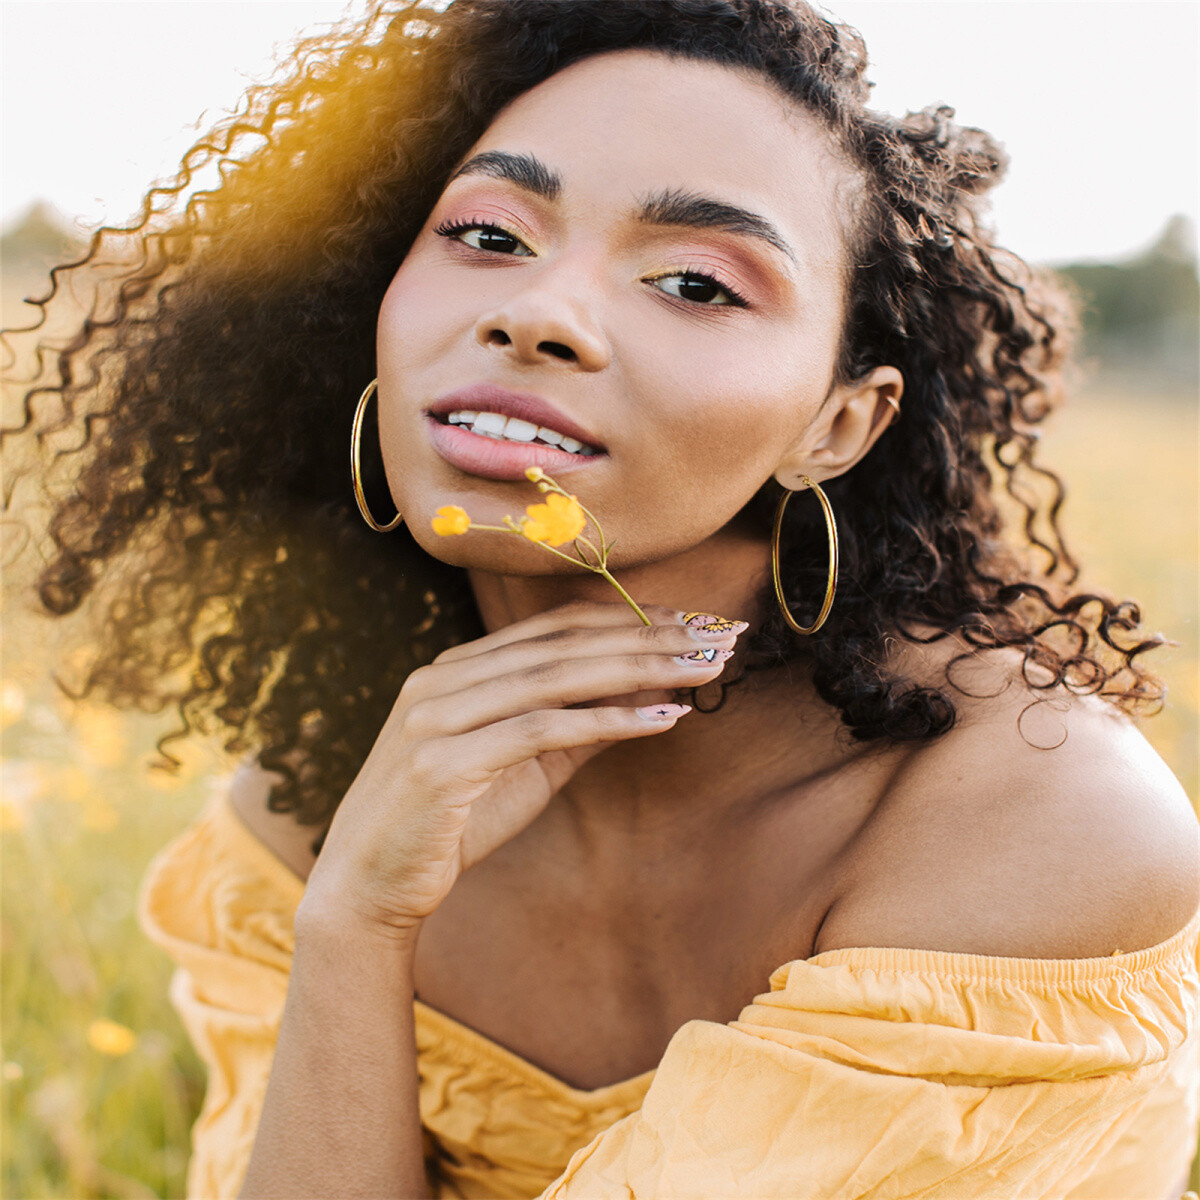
(419, 322)
(725, 416)
(412, 310)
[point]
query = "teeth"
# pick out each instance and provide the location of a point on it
(489, 423)
(513, 429)
(520, 431)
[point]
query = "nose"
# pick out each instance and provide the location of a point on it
(540, 325)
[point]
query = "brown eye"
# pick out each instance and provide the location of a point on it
(698, 288)
(486, 237)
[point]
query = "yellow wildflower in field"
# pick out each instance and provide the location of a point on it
(73, 783)
(557, 521)
(110, 1038)
(99, 815)
(12, 703)
(101, 734)
(12, 816)
(451, 519)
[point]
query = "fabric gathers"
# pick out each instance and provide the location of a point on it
(881, 1073)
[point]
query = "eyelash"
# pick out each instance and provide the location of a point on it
(454, 229)
(736, 299)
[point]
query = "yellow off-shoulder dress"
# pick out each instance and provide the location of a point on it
(877, 1073)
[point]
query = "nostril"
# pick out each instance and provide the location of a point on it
(558, 350)
(497, 337)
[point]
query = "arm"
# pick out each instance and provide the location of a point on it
(474, 748)
(340, 1116)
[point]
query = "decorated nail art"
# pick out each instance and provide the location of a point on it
(707, 625)
(703, 658)
(663, 712)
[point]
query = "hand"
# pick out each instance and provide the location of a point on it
(480, 739)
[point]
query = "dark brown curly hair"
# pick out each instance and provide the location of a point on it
(205, 499)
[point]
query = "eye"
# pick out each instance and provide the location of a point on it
(698, 288)
(481, 236)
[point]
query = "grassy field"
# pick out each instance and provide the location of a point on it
(99, 1084)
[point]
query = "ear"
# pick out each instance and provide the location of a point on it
(848, 425)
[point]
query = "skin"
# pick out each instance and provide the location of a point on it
(530, 877)
(672, 388)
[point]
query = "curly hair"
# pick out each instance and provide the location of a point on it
(231, 333)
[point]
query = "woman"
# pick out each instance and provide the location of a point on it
(910, 910)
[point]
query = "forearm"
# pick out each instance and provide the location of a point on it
(340, 1118)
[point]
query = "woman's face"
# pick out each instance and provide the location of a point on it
(652, 248)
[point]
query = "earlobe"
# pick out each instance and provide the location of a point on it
(850, 423)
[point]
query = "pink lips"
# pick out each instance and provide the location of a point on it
(493, 459)
(490, 458)
(490, 397)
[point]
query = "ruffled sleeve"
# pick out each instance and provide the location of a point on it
(901, 1073)
(224, 914)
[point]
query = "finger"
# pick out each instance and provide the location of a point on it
(586, 614)
(478, 755)
(669, 636)
(557, 682)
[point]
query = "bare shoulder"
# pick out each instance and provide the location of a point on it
(1051, 831)
(290, 842)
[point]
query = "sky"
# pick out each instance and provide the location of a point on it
(1096, 101)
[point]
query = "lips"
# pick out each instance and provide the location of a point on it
(489, 458)
(490, 397)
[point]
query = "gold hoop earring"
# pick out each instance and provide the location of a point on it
(831, 529)
(356, 468)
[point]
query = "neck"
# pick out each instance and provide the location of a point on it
(711, 769)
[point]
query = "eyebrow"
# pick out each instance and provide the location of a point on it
(521, 169)
(674, 207)
(668, 207)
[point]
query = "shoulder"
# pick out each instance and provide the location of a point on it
(279, 833)
(1051, 831)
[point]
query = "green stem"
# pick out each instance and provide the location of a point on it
(628, 598)
(547, 546)
(599, 563)
(599, 567)
(603, 555)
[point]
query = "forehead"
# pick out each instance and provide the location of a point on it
(626, 123)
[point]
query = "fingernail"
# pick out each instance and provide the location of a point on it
(702, 658)
(705, 625)
(662, 712)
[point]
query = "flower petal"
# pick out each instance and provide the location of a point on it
(451, 519)
(557, 521)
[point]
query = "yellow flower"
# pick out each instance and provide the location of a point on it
(101, 735)
(12, 816)
(12, 703)
(110, 1038)
(451, 519)
(557, 521)
(99, 815)
(73, 783)
(535, 474)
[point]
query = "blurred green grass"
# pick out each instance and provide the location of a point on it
(103, 1110)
